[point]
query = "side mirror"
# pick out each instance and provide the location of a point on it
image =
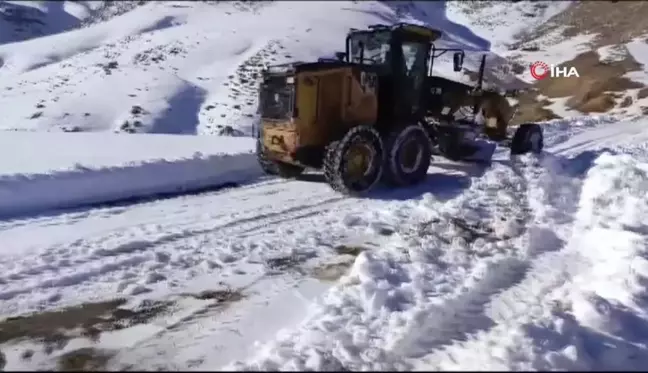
(458, 61)
(341, 56)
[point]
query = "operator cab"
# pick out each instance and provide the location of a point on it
(401, 57)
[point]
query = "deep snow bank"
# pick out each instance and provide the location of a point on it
(494, 280)
(425, 287)
(583, 307)
(596, 318)
(609, 296)
(40, 171)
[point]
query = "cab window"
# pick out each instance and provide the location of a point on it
(373, 46)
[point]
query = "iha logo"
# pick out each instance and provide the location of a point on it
(540, 70)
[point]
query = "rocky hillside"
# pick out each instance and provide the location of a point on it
(607, 42)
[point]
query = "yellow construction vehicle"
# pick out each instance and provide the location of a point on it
(376, 112)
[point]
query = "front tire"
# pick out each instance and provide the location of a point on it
(528, 138)
(409, 153)
(353, 165)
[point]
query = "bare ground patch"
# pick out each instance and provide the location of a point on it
(643, 93)
(53, 329)
(283, 263)
(218, 300)
(84, 359)
(218, 296)
(532, 109)
(333, 271)
(287, 263)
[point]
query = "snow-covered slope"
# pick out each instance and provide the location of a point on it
(193, 68)
(178, 67)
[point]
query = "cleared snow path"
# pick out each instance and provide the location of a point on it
(262, 239)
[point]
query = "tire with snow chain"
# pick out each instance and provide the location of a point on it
(278, 168)
(409, 153)
(353, 165)
(528, 138)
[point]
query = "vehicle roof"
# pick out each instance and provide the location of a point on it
(428, 32)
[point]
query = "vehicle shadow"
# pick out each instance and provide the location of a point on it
(442, 186)
(444, 181)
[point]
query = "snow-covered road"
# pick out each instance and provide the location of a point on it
(502, 268)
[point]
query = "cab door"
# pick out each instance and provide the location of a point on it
(410, 71)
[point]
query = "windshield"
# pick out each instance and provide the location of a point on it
(375, 45)
(276, 98)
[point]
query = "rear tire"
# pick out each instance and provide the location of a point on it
(354, 165)
(528, 138)
(278, 168)
(409, 153)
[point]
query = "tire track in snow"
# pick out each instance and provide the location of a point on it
(230, 331)
(72, 215)
(199, 243)
(463, 312)
(133, 248)
(392, 293)
(440, 288)
(554, 193)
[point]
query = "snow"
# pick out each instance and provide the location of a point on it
(61, 170)
(503, 21)
(410, 304)
(523, 265)
(628, 136)
(577, 310)
(612, 53)
(559, 107)
(22, 20)
(639, 50)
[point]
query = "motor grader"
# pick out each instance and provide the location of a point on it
(376, 112)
